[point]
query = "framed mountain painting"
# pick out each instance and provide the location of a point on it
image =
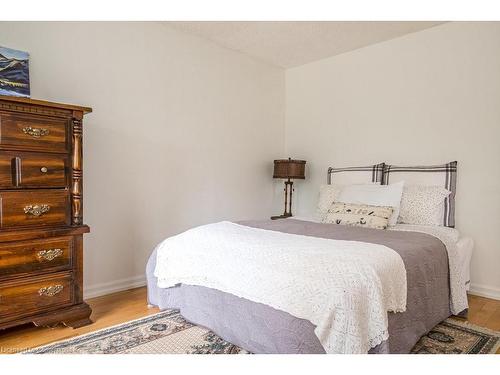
(14, 72)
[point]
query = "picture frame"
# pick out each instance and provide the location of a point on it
(14, 72)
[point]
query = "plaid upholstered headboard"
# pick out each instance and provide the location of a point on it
(350, 175)
(440, 175)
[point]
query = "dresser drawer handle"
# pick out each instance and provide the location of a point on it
(50, 291)
(44, 169)
(49, 254)
(36, 209)
(35, 132)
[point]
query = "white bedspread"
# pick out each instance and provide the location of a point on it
(345, 288)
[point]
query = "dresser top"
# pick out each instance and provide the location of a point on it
(44, 103)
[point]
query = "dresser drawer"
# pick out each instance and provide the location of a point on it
(33, 132)
(45, 255)
(35, 294)
(31, 170)
(34, 208)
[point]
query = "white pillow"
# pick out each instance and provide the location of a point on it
(327, 195)
(423, 205)
(375, 195)
(330, 193)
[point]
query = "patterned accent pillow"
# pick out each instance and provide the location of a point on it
(422, 205)
(444, 175)
(359, 215)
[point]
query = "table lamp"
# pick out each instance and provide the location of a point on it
(288, 169)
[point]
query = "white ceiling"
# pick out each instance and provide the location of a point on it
(293, 43)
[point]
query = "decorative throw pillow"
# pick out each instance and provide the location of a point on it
(375, 195)
(422, 205)
(444, 175)
(360, 215)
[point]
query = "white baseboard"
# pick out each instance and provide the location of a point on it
(101, 289)
(485, 291)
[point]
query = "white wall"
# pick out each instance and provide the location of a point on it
(425, 98)
(183, 133)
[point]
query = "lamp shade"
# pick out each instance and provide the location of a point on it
(289, 168)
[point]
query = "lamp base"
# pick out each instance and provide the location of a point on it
(284, 216)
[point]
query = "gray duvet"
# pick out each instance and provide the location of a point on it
(262, 329)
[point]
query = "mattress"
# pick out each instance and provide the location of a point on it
(465, 246)
(262, 329)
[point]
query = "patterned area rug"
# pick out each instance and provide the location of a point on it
(458, 337)
(164, 333)
(169, 333)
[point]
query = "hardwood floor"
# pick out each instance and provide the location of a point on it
(107, 311)
(131, 304)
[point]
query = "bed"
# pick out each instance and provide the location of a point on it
(426, 253)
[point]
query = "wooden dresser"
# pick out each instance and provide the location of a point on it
(41, 217)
